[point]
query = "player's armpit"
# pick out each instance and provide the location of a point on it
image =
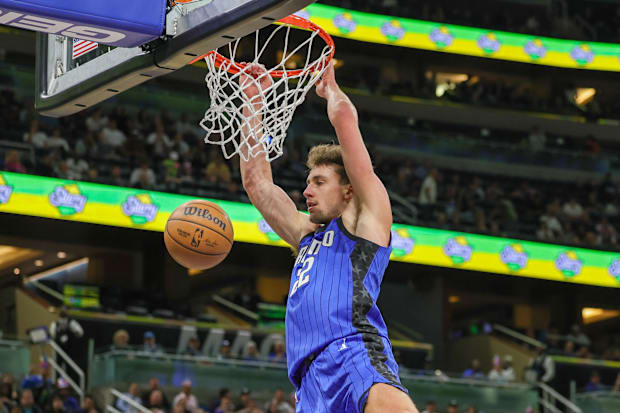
(280, 212)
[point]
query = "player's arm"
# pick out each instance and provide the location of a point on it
(366, 184)
(274, 204)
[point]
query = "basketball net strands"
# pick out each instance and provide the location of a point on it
(129, 43)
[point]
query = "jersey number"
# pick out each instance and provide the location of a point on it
(302, 274)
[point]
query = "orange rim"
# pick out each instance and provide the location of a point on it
(292, 20)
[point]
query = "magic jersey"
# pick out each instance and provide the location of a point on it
(333, 293)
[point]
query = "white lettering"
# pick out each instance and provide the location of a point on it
(9, 17)
(93, 34)
(328, 239)
(40, 24)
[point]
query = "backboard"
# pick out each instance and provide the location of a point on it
(73, 74)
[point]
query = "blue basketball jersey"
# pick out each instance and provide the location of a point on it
(333, 293)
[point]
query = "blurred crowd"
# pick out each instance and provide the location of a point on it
(160, 151)
(39, 393)
(572, 19)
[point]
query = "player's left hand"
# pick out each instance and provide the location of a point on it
(327, 82)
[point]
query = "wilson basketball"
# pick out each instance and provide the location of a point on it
(198, 234)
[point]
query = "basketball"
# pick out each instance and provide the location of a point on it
(198, 234)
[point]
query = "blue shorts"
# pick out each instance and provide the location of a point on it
(339, 378)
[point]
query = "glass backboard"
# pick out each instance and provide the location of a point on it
(73, 74)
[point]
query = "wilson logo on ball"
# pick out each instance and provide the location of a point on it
(204, 213)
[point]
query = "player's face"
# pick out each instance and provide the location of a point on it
(326, 197)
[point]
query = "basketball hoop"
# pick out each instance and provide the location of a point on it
(224, 121)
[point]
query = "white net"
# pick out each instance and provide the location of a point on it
(262, 128)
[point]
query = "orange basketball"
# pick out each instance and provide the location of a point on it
(198, 234)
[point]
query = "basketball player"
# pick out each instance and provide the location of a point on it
(338, 352)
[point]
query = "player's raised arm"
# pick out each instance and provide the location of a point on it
(274, 204)
(367, 186)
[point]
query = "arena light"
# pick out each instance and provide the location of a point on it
(38, 263)
(594, 315)
(584, 95)
(16, 271)
(61, 255)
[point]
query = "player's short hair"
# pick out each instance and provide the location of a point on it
(328, 154)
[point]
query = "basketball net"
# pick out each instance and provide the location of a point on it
(263, 127)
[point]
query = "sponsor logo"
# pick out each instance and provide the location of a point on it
(345, 23)
(488, 43)
(514, 257)
(266, 229)
(582, 54)
(442, 37)
(140, 209)
(203, 213)
(535, 49)
(458, 250)
(68, 199)
(54, 26)
(197, 238)
(402, 243)
(614, 269)
(568, 263)
(393, 30)
(5, 191)
(303, 13)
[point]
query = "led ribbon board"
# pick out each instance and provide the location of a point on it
(462, 40)
(149, 210)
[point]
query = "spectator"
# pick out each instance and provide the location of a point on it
(87, 147)
(27, 403)
(217, 170)
(191, 403)
(251, 352)
(116, 177)
(56, 405)
(147, 395)
(123, 405)
(453, 407)
(428, 194)
(65, 331)
(193, 346)
(93, 174)
(594, 384)
(578, 336)
(68, 400)
(537, 139)
(112, 137)
(431, 407)
(96, 121)
(607, 234)
(247, 402)
(42, 384)
(569, 349)
(542, 366)
(120, 340)
(88, 405)
(156, 402)
(57, 141)
(224, 352)
(550, 221)
(278, 403)
(474, 372)
(279, 352)
(158, 140)
(224, 393)
(616, 388)
(472, 409)
(573, 210)
(508, 373)
(179, 145)
(496, 372)
(143, 177)
(150, 343)
(36, 137)
(12, 163)
(77, 168)
(171, 170)
(225, 406)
